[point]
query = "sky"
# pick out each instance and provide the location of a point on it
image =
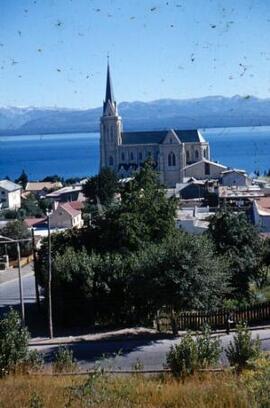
(54, 52)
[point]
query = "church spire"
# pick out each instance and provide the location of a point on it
(109, 89)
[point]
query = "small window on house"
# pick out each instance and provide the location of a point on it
(207, 169)
(171, 159)
(123, 156)
(111, 161)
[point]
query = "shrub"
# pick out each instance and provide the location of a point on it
(13, 343)
(194, 353)
(243, 348)
(182, 358)
(64, 360)
(209, 348)
(257, 382)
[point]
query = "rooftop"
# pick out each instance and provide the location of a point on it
(9, 185)
(157, 136)
(65, 190)
(42, 185)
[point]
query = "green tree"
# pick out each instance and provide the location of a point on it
(101, 187)
(17, 230)
(143, 215)
(237, 239)
(13, 343)
(23, 179)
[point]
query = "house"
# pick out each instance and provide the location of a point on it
(204, 169)
(66, 194)
(191, 190)
(65, 216)
(261, 214)
(234, 177)
(239, 196)
(10, 195)
(41, 188)
(193, 220)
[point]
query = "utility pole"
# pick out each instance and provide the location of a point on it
(20, 283)
(35, 267)
(49, 279)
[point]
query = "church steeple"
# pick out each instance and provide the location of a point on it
(109, 96)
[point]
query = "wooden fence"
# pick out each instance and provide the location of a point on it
(255, 314)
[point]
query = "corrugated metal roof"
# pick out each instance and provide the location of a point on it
(9, 185)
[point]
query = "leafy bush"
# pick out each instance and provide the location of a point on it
(194, 353)
(64, 360)
(13, 343)
(257, 382)
(243, 348)
(209, 348)
(182, 358)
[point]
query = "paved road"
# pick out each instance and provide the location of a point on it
(123, 355)
(110, 354)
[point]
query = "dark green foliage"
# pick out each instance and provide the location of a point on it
(209, 348)
(30, 207)
(23, 179)
(243, 348)
(144, 215)
(101, 188)
(13, 343)
(238, 240)
(193, 353)
(53, 179)
(182, 358)
(64, 360)
(16, 230)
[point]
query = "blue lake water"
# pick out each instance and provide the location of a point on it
(78, 154)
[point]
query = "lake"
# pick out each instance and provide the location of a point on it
(71, 155)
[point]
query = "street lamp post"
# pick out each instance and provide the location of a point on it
(50, 278)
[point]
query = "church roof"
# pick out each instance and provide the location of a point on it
(157, 136)
(149, 137)
(109, 97)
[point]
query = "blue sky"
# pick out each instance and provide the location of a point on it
(53, 52)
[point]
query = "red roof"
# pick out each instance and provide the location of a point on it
(69, 209)
(31, 222)
(76, 205)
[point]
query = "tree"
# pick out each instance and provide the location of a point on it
(23, 179)
(238, 240)
(101, 187)
(143, 215)
(17, 230)
(13, 343)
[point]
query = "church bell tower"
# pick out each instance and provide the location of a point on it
(110, 128)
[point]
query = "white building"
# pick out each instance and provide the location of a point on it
(65, 216)
(261, 214)
(193, 220)
(204, 169)
(233, 177)
(125, 152)
(10, 195)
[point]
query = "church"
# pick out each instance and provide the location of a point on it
(125, 152)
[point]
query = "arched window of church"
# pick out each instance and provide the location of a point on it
(187, 156)
(111, 161)
(123, 156)
(171, 159)
(140, 155)
(196, 154)
(131, 156)
(204, 153)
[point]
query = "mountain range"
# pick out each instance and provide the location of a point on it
(207, 112)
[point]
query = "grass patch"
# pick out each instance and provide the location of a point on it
(204, 391)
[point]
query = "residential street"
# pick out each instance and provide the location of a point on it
(121, 354)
